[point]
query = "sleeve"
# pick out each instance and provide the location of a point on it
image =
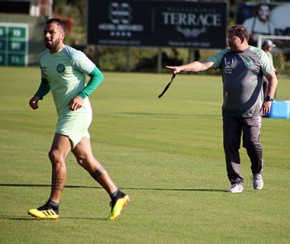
(81, 62)
(43, 89)
(265, 63)
(95, 80)
(271, 62)
(217, 58)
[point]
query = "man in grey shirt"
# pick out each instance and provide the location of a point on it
(242, 67)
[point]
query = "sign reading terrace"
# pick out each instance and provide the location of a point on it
(157, 23)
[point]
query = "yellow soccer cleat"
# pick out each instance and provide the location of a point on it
(117, 207)
(44, 212)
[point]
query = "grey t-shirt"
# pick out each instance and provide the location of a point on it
(242, 75)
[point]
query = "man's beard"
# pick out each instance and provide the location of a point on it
(51, 44)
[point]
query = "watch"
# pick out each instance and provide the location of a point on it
(269, 99)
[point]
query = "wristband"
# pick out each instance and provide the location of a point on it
(269, 99)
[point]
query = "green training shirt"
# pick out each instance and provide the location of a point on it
(64, 73)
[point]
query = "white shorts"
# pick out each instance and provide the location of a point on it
(75, 124)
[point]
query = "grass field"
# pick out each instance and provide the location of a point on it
(165, 153)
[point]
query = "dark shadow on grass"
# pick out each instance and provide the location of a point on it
(172, 115)
(29, 218)
(125, 188)
(175, 189)
(85, 218)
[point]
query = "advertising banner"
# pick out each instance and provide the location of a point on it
(264, 19)
(157, 23)
(13, 44)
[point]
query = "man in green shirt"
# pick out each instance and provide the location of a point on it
(63, 72)
(267, 47)
(242, 67)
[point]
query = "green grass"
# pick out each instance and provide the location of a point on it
(165, 153)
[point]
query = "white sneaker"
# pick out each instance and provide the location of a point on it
(236, 188)
(258, 182)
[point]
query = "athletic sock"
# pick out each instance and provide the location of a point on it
(53, 205)
(116, 195)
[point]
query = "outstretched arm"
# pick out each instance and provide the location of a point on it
(195, 66)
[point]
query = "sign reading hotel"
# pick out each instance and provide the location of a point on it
(157, 23)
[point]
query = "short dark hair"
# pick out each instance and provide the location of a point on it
(240, 31)
(58, 21)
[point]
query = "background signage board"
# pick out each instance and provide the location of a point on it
(157, 23)
(275, 18)
(13, 44)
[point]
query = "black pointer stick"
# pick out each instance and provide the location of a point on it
(167, 86)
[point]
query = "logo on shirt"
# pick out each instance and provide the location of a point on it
(60, 68)
(228, 65)
(248, 63)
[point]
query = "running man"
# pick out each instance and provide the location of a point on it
(63, 72)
